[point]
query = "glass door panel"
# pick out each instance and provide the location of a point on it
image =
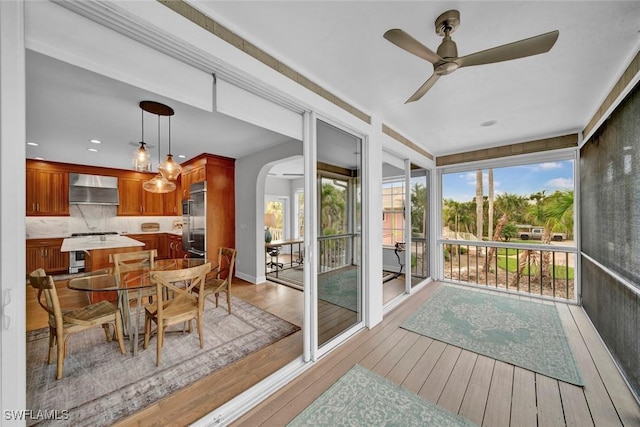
(393, 228)
(339, 203)
(419, 183)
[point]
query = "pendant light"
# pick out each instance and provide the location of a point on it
(158, 184)
(141, 157)
(170, 169)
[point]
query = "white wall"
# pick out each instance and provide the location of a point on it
(251, 176)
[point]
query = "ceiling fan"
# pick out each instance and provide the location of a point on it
(446, 60)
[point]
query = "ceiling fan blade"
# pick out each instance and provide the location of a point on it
(520, 49)
(411, 45)
(424, 88)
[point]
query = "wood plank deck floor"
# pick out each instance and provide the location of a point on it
(486, 391)
(483, 390)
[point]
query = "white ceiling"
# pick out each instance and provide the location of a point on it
(339, 45)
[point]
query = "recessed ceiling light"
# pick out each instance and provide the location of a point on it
(182, 156)
(95, 141)
(33, 144)
(93, 150)
(488, 123)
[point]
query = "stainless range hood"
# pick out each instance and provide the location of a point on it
(92, 189)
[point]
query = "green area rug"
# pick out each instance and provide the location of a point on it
(363, 398)
(523, 333)
(340, 287)
(100, 385)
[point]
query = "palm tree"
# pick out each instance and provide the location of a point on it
(508, 206)
(490, 209)
(479, 204)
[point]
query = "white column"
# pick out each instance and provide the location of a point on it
(12, 209)
(373, 224)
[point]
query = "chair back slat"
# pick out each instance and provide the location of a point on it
(128, 262)
(226, 263)
(179, 283)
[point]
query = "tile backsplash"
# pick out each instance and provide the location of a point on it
(89, 218)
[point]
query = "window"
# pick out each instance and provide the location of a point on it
(393, 205)
(278, 206)
(513, 203)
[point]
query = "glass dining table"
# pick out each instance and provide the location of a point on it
(104, 280)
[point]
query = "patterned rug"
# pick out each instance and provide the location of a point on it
(363, 398)
(522, 333)
(100, 385)
(340, 287)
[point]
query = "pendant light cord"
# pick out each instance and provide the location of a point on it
(159, 155)
(169, 153)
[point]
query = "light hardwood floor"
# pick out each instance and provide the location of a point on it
(483, 390)
(486, 391)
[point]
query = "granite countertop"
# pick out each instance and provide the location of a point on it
(93, 242)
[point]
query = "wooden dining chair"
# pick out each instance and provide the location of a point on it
(220, 279)
(131, 262)
(64, 323)
(175, 303)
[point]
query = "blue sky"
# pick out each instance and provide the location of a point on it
(522, 180)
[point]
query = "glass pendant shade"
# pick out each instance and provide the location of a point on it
(141, 159)
(159, 184)
(170, 169)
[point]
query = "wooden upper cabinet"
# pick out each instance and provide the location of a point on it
(191, 176)
(134, 200)
(130, 193)
(47, 192)
(173, 201)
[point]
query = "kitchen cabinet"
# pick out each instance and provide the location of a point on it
(150, 240)
(173, 201)
(47, 192)
(191, 175)
(219, 173)
(135, 201)
(175, 246)
(45, 253)
(163, 246)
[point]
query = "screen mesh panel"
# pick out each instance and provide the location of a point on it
(610, 191)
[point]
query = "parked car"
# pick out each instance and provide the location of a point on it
(535, 233)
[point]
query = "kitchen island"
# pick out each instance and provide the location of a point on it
(98, 248)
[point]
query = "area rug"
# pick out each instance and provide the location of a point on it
(523, 333)
(100, 385)
(340, 287)
(363, 398)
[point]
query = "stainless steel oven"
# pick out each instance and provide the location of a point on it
(76, 262)
(76, 258)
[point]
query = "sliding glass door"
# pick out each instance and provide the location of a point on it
(339, 204)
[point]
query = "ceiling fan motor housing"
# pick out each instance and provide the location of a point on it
(449, 52)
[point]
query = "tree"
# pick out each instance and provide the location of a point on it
(418, 210)
(509, 231)
(479, 204)
(490, 209)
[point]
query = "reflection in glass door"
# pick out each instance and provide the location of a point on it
(393, 228)
(419, 183)
(339, 283)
